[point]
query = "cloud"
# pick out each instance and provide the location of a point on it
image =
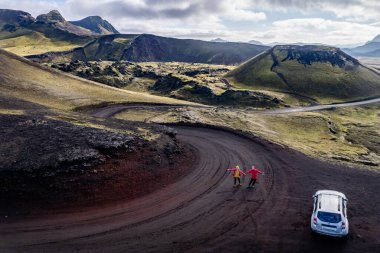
(33, 7)
(354, 10)
(178, 18)
(321, 30)
(170, 9)
(337, 22)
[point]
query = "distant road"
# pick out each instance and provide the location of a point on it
(109, 111)
(321, 107)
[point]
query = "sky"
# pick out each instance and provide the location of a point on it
(334, 22)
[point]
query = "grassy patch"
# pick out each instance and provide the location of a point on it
(347, 134)
(32, 43)
(56, 90)
(360, 125)
(146, 115)
(11, 112)
(148, 135)
(85, 123)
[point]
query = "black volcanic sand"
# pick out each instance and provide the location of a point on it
(48, 164)
(202, 212)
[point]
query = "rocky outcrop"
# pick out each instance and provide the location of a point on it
(13, 17)
(57, 145)
(247, 98)
(96, 25)
(55, 20)
(52, 17)
(169, 83)
(308, 55)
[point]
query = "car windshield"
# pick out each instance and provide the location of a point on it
(329, 217)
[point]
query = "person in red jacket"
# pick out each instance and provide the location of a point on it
(237, 172)
(254, 175)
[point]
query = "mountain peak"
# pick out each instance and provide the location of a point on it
(308, 54)
(96, 24)
(15, 17)
(219, 40)
(376, 39)
(52, 17)
(255, 42)
(97, 18)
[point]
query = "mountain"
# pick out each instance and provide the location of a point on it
(146, 47)
(370, 49)
(376, 39)
(154, 48)
(40, 38)
(24, 35)
(348, 45)
(318, 72)
(255, 42)
(219, 40)
(55, 20)
(275, 44)
(15, 18)
(96, 25)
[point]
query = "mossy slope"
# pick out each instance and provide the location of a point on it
(315, 71)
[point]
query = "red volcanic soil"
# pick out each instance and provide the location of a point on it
(48, 165)
(120, 178)
(126, 177)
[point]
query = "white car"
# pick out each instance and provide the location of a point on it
(330, 213)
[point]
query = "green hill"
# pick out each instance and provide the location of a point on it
(320, 72)
(155, 48)
(22, 80)
(146, 47)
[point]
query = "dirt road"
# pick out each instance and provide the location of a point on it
(202, 212)
(112, 110)
(323, 107)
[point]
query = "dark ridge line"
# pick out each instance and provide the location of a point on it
(274, 65)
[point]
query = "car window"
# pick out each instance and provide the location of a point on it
(344, 207)
(329, 217)
(315, 204)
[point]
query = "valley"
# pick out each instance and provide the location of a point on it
(114, 142)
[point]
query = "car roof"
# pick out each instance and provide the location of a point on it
(330, 192)
(329, 202)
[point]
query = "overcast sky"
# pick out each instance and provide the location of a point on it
(333, 22)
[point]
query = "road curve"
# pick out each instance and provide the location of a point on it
(202, 212)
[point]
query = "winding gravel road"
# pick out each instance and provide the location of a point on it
(113, 109)
(323, 107)
(202, 212)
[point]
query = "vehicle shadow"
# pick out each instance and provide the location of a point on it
(323, 243)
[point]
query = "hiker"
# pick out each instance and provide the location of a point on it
(254, 175)
(237, 172)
